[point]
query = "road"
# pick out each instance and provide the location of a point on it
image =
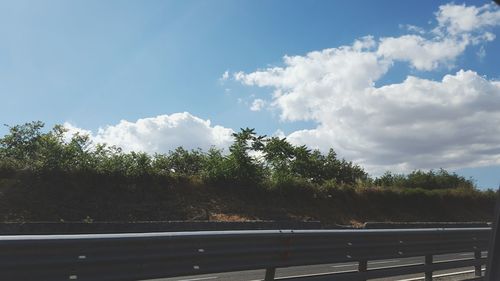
(258, 275)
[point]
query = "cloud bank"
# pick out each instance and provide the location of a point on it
(161, 133)
(418, 123)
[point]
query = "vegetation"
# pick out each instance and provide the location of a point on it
(252, 160)
(48, 175)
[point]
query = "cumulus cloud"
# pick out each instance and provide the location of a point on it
(161, 133)
(257, 105)
(423, 54)
(456, 19)
(418, 123)
(458, 26)
(72, 130)
(306, 81)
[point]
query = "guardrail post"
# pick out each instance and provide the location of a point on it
(477, 268)
(362, 266)
(428, 273)
(492, 269)
(270, 272)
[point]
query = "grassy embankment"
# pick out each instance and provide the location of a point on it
(44, 176)
(83, 197)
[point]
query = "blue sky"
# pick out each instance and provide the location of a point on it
(91, 64)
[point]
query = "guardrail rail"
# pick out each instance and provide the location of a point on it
(136, 256)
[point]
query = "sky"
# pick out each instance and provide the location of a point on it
(390, 85)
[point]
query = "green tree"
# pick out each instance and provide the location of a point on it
(21, 145)
(278, 155)
(243, 167)
(180, 162)
(216, 167)
(309, 165)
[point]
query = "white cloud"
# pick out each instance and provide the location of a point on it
(455, 19)
(162, 133)
(257, 105)
(224, 76)
(423, 54)
(418, 123)
(458, 27)
(279, 133)
(341, 70)
(412, 28)
(72, 130)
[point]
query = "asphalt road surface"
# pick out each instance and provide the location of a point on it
(258, 275)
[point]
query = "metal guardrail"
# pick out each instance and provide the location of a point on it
(169, 254)
(493, 267)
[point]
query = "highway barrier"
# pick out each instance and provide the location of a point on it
(139, 256)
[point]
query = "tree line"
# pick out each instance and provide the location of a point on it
(251, 160)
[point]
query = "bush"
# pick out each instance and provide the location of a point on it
(431, 180)
(252, 160)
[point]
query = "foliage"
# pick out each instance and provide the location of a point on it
(252, 160)
(440, 179)
(53, 176)
(180, 162)
(243, 167)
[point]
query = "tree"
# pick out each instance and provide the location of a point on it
(216, 168)
(278, 154)
(243, 167)
(21, 144)
(431, 179)
(309, 165)
(182, 162)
